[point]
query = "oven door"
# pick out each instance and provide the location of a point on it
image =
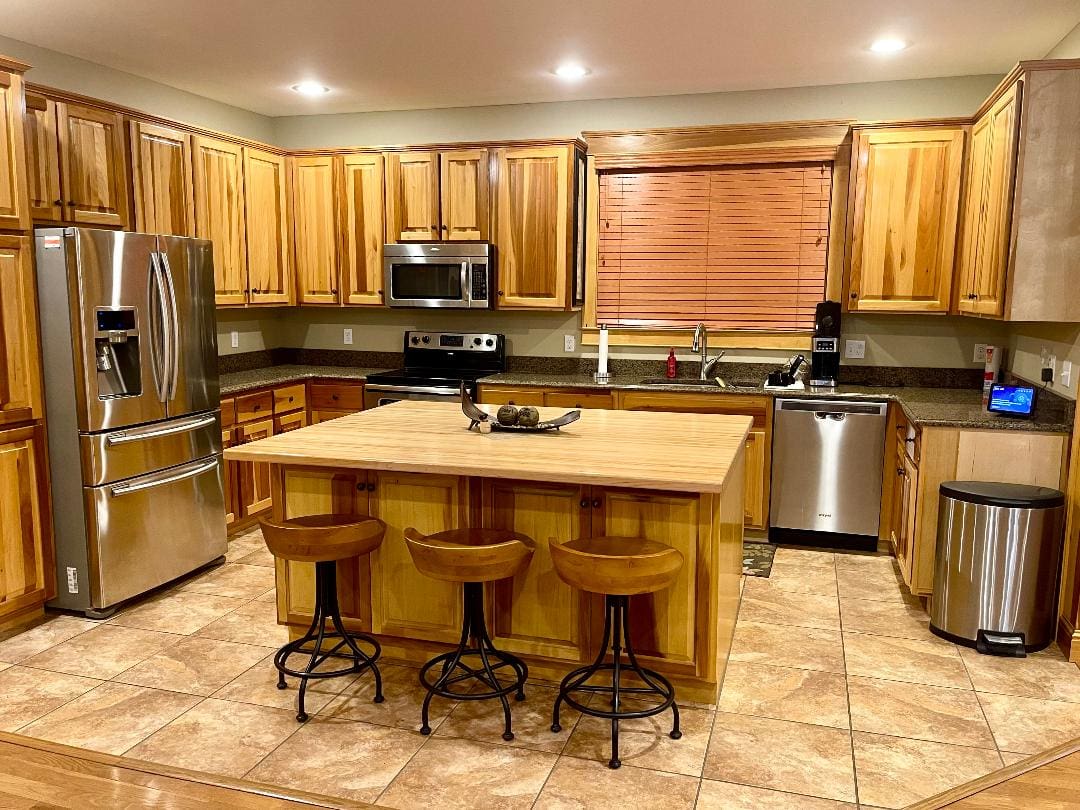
(377, 394)
(428, 281)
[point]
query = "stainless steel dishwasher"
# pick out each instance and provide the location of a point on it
(826, 472)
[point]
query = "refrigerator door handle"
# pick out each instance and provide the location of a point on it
(158, 327)
(150, 483)
(172, 353)
(125, 436)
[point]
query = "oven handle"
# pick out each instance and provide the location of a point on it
(412, 389)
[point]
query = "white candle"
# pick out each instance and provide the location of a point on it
(603, 351)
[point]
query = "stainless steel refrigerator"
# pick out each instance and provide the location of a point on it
(133, 411)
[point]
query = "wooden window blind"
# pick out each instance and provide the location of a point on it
(738, 247)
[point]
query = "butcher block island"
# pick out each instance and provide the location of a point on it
(671, 477)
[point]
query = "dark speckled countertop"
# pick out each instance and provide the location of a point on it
(237, 381)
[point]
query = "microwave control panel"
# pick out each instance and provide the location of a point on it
(479, 282)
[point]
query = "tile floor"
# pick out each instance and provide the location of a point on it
(836, 696)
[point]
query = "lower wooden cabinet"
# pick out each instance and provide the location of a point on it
(758, 471)
(229, 479)
(254, 476)
(27, 578)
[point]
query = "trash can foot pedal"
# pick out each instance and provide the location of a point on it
(1007, 644)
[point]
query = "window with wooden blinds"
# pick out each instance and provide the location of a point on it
(738, 247)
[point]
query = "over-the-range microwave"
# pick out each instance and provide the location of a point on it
(439, 274)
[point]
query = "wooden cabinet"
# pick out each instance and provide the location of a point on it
(26, 578)
(269, 248)
(230, 480)
(254, 476)
(315, 229)
(20, 365)
(757, 479)
(905, 197)
(218, 171)
(363, 229)
(464, 191)
(161, 177)
(93, 171)
(534, 226)
(14, 201)
(336, 396)
(579, 399)
(43, 159)
(508, 395)
(290, 421)
(412, 197)
(984, 254)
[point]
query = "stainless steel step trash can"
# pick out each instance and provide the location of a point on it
(997, 567)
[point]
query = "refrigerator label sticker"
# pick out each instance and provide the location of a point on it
(52, 242)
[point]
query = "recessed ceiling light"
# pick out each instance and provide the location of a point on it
(571, 71)
(888, 45)
(311, 89)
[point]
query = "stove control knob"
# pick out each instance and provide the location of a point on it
(477, 341)
(490, 342)
(415, 340)
(426, 338)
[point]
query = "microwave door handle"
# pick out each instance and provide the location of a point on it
(155, 304)
(172, 352)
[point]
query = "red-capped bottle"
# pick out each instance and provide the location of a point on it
(672, 365)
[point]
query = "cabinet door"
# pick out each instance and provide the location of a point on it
(579, 399)
(464, 194)
(363, 230)
(26, 576)
(326, 414)
(536, 612)
(404, 602)
(756, 498)
(268, 250)
(904, 219)
(988, 209)
(534, 218)
(219, 214)
(161, 173)
(255, 475)
(43, 159)
(412, 197)
(20, 370)
(909, 490)
(315, 241)
(290, 421)
(506, 395)
(92, 167)
(663, 624)
(14, 202)
(230, 479)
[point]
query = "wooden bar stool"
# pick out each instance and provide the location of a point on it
(323, 540)
(471, 557)
(618, 567)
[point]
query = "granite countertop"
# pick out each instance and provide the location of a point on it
(929, 407)
(236, 381)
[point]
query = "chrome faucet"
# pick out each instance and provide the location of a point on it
(701, 346)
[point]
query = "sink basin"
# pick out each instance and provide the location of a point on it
(685, 381)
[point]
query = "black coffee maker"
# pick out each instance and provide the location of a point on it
(825, 346)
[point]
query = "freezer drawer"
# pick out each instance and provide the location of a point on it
(146, 531)
(119, 454)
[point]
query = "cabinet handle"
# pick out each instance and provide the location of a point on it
(596, 503)
(57, 202)
(584, 503)
(371, 487)
(360, 487)
(500, 293)
(333, 397)
(900, 471)
(909, 441)
(854, 295)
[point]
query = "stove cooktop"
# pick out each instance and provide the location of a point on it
(446, 378)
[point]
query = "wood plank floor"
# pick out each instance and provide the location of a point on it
(36, 775)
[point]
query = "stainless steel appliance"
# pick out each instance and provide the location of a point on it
(133, 405)
(825, 357)
(997, 566)
(439, 274)
(826, 472)
(436, 363)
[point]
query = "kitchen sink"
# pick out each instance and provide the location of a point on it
(691, 381)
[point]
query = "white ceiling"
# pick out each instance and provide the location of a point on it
(406, 54)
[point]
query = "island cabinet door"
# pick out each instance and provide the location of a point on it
(537, 613)
(317, 491)
(404, 602)
(666, 625)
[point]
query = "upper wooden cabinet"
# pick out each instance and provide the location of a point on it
(20, 369)
(984, 256)
(904, 205)
(412, 197)
(14, 202)
(218, 170)
(43, 159)
(362, 229)
(464, 190)
(161, 177)
(93, 171)
(315, 229)
(534, 233)
(270, 279)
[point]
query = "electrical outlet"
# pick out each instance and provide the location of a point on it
(1051, 364)
(855, 349)
(347, 336)
(568, 343)
(1066, 373)
(234, 339)
(979, 356)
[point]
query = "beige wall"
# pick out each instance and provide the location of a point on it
(65, 72)
(1026, 344)
(925, 98)
(1068, 48)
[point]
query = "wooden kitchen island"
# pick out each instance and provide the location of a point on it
(671, 477)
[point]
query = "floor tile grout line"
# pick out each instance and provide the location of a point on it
(847, 694)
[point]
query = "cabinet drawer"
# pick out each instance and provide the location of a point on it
(254, 406)
(579, 399)
(290, 398)
(337, 396)
(228, 413)
(505, 394)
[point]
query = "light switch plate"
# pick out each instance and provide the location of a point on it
(568, 343)
(1066, 373)
(347, 336)
(979, 355)
(234, 339)
(855, 349)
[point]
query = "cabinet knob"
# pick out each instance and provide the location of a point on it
(500, 293)
(371, 487)
(333, 397)
(584, 503)
(900, 471)
(854, 295)
(596, 503)
(57, 202)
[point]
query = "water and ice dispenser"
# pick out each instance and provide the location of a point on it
(116, 353)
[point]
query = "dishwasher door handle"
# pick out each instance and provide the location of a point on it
(836, 417)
